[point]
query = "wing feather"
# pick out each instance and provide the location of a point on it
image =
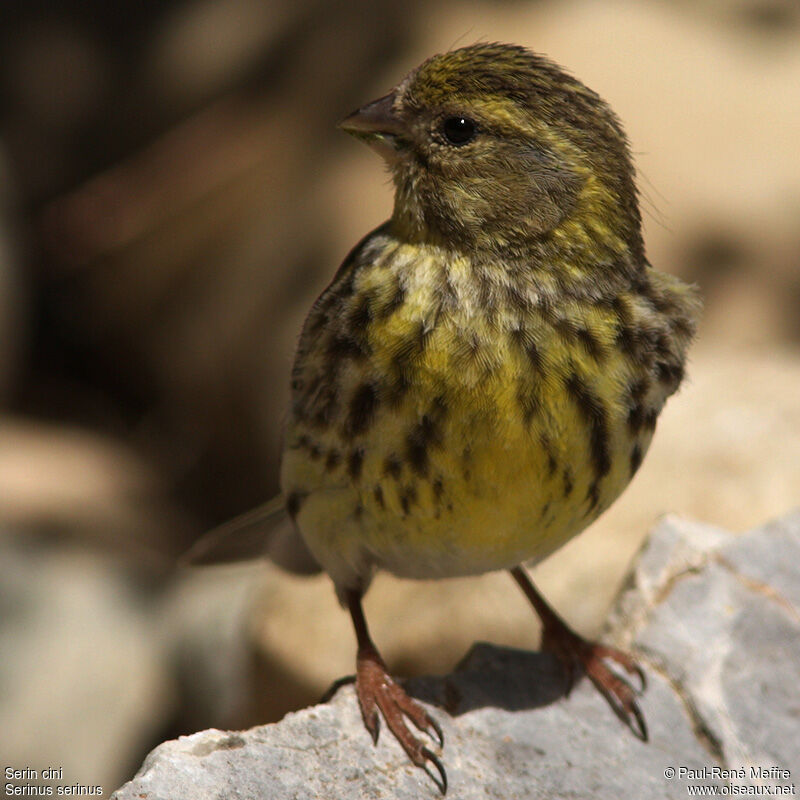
(264, 532)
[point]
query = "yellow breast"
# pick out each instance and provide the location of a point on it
(448, 422)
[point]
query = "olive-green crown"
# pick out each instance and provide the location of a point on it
(543, 120)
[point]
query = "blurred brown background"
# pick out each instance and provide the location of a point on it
(174, 194)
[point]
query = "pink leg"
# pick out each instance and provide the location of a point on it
(379, 695)
(576, 653)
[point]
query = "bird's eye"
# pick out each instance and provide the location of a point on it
(459, 130)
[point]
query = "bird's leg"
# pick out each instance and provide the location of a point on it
(379, 695)
(577, 653)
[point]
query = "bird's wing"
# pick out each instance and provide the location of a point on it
(264, 532)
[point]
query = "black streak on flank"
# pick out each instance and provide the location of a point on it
(523, 340)
(351, 344)
(534, 353)
(568, 328)
(637, 391)
(378, 494)
(591, 344)
(620, 307)
(306, 443)
(638, 341)
(628, 341)
(641, 285)
(333, 460)
(293, 503)
(569, 482)
(362, 410)
(593, 411)
(361, 315)
(636, 416)
(529, 401)
(392, 466)
(547, 445)
(576, 333)
(424, 434)
(325, 404)
(594, 495)
(355, 462)
(407, 497)
(395, 389)
(636, 458)
(641, 418)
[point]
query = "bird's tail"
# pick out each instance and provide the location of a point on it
(264, 532)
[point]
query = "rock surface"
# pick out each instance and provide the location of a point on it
(713, 618)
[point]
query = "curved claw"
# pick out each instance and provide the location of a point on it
(641, 675)
(379, 696)
(438, 730)
(621, 696)
(372, 722)
(424, 722)
(575, 652)
(641, 730)
(441, 782)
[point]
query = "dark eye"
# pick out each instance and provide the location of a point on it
(459, 130)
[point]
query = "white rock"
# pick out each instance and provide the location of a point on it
(720, 646)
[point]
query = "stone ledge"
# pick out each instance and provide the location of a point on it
(714, 619)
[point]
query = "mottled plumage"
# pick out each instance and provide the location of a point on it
(482, 377)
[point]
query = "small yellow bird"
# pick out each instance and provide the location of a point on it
(482, 377)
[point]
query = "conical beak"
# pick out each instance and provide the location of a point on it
(378, 125)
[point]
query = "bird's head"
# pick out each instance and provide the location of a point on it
(491, 146)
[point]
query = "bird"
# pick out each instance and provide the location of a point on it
(482, 377)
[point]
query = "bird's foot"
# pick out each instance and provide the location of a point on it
(575, 653)
(379, 695)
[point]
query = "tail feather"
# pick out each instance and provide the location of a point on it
(264, 532)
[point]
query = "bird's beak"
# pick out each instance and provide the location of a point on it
(379, 125)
